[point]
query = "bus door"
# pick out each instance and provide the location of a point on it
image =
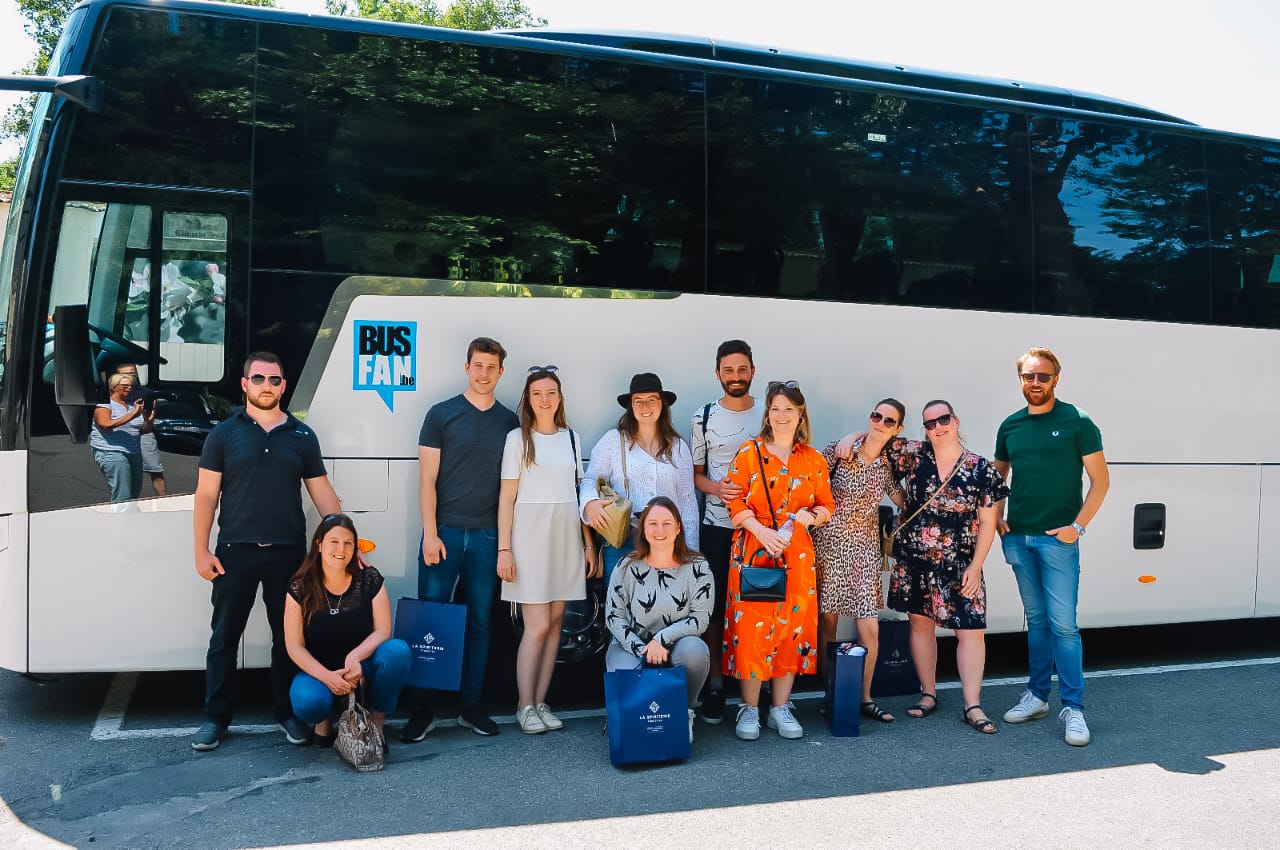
(155, 280)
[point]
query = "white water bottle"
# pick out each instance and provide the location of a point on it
(787, 529)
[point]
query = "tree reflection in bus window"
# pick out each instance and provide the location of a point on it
(193, 295)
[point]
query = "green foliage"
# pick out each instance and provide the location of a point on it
(8, 174)
(460, 14)
(44, 25)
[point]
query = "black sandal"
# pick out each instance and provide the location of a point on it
(875, 712)
(925, 710)
(984, 725)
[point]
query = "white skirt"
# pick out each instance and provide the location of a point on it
(546, 542)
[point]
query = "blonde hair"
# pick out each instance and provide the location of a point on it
(793, 395)
(114, 380)
(1043, 354)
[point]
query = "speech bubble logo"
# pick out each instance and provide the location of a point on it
(385, 359)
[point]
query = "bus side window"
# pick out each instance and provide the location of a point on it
(193, 296)
(102, 261)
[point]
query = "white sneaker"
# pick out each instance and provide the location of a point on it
(1077, 733)
(530, 722)
(691, 715)
(781, 718)
(748, 728)
(1030, 707)
(548, 719)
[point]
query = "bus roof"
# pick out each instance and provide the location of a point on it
(707, 54)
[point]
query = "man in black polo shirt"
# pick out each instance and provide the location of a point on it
(251, 468)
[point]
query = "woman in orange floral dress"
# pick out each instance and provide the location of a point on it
(775, 640)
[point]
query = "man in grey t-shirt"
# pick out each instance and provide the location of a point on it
(459, 476)
(719, 430)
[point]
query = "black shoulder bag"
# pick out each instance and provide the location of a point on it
(764, 584)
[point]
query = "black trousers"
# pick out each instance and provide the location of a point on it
(247, 567)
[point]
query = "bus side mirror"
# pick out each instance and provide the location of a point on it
(75, 386)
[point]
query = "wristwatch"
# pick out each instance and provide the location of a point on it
(1079, 528)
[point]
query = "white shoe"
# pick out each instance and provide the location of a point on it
(530, 722)
(548, 719)
(781, 718)
(748, 728)
(1077, 732)
(691, 716)
(1030, 707)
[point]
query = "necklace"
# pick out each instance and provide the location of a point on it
(334, 606)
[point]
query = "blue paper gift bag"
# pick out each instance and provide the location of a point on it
(435, 632)
(648, 715)
(844, 688)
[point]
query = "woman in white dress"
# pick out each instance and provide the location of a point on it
(544, 550)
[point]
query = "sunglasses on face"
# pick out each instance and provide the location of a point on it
(944, 419)
(1034, 377)
(889, 421)
(273, 380)
(550, 370)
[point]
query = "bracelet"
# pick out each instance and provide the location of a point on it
(504, 550)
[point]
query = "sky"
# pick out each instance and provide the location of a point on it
(1212, 62)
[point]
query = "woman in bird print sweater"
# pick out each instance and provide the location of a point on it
(660, 601)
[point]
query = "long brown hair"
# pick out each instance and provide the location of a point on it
(793, 395)
(683, 554)
(667, 434)
(528, 418)
(310, 576)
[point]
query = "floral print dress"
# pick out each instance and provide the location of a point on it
(934, 548)
(764, 640)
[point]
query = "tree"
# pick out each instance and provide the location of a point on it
(460, 14)
(45, 19)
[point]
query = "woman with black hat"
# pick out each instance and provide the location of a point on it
(642, 458)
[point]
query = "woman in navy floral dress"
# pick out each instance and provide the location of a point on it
(939, 549)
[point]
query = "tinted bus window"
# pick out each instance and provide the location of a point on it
(1121, 222)
(1245, 219)
(177, 102)
(401, 157)
(847, 196)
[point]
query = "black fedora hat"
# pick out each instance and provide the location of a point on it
(646, 382)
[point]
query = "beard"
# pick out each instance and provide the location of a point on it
(736, 389)
(1038, 398)
(263, 404)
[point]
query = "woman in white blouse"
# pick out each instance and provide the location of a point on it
(658, 463)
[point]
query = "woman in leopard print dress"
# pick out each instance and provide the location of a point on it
(848, 548)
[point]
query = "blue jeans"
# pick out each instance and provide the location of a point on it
(470, 568)
(123, 471)
(1048, 574)
(385, 673)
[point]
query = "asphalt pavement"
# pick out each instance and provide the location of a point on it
(1186, 753)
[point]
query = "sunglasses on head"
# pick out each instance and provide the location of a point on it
(778, 385)
(944, 419)
(273, 380)
(889, 421)
(550, 370)
(1040, 377)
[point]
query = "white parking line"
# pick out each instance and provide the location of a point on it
(116, 702)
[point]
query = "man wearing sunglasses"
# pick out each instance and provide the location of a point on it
(719, 430)
(1048, 445)
(250, 470)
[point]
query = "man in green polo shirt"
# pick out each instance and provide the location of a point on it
(1049, 445)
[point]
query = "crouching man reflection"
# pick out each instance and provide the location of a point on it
(250, 471)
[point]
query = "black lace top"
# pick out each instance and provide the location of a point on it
(345, 621)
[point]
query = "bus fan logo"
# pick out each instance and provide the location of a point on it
(385, 359)
(653, 706)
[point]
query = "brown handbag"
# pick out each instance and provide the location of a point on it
(359, 740)
(617, 506)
